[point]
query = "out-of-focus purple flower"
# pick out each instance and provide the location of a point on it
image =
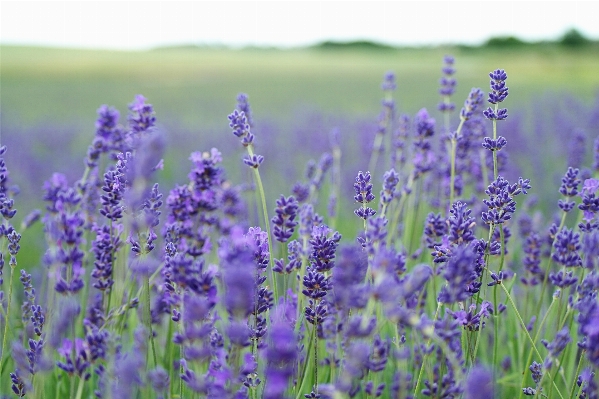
(562, 338)
(479, 384)
(390, 181)
(284, 221)
(243, 105)
(448, 84)
(281, 354)
(435, 227)
(301, 192)
(472, 103)
(532, 260)
(577, 148)
(424, 157)
(459, 274)
(141, 115)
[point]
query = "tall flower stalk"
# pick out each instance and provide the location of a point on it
(238, 121)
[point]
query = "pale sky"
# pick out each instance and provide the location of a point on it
(142, 25)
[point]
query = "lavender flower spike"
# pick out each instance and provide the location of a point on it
(364, 195)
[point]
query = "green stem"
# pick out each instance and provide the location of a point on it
(580, 360)
(454, 143)
(267, 224)
(80, 388)
(534, 347)
(7, 317)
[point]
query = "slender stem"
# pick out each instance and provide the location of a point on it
(267, 223)
(454, 143)
(80, 388)
(7, 318)
(534, 347)
(580, 360)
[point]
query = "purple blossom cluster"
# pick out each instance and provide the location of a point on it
(191, 294)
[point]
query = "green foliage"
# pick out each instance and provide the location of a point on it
(508, 42)
(573, 38)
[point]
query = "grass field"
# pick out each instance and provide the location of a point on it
(197, 87)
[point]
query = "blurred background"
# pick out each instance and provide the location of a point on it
(308, 68)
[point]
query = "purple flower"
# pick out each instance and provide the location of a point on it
(281, 354)
(472, 104)
(479, 384)
(241, 128)
(500, 115)
(424, 157)
(284, 221)
(447, 84)
(501, 204)
(243, 105)
(499, 90)
(390, 181)
(363, 189)
(494, 145)
(562, 338)
(322, 257)
(434, 227)
(459, 274)
(566, 247)
(141, 115)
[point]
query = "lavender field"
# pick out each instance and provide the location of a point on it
(384, 224)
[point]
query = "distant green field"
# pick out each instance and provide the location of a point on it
(197, 87)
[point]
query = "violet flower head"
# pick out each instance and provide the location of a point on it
(141, 115)
(459, 274)
(501, 205)
(241, 127)
(448, 84)
(243, 105)
(569, 189)
(494, 145)
(479, 384)
(324, 243)
(389, 82)
(566, 248)
(390, 181)
(284, 221)
(424, 157)
(562, 338)
(499, 91)
(472, 103)
(590, 202)
(363, 188)
(461, 224)
(107, 130)
(281, 354)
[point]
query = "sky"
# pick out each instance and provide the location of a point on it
(139, 25)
